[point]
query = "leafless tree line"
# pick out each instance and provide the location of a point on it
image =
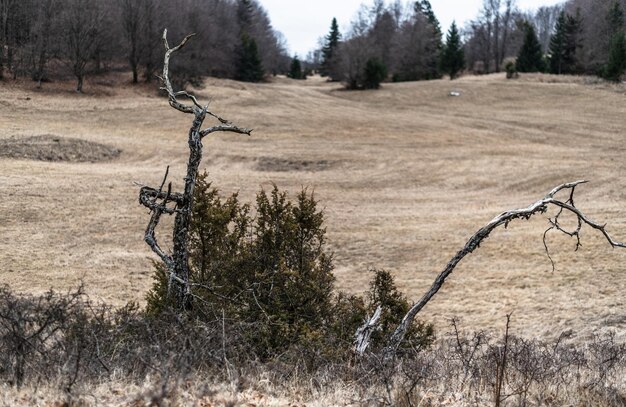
(497, 32)
(596, 31)
(398, 35)
(46, 39)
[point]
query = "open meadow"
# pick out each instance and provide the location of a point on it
(406, 175)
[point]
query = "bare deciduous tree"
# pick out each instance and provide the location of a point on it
(539, 207)
(177, 264)
(132, 22)
(81, 30)
(489, 35)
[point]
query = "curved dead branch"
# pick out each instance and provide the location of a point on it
(180, 204)
(540, 206)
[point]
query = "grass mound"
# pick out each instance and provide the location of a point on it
(49, 147)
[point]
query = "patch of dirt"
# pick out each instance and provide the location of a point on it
(49, 147)
(275, 164)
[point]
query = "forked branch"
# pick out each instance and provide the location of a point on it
(180, 204)
(540, 206)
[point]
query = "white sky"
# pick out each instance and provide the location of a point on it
(304, 21)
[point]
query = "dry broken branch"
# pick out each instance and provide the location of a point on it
(540, 206)
(181, 204)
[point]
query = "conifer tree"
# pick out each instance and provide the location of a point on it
(530, 57)
(557, 45)
(328, 52)
(432, 65)
(573, 41)
(295, 70)
(424, 7)
(249, 66)
(615, 19)
(616, 65)
(453, 57)
(564, 44)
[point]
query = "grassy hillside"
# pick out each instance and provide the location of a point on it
(406, 174)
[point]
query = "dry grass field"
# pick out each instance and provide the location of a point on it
(406, 175)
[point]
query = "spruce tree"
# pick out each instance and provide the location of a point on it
(615, 19)
(432, 70)
(453, 57)
(375, 72)
(616, 65)
(295, 70)
(424, 7)
(564, 44)
(328, 52)
(530, 57)
(557, 46)
(573, 41)
(249, 66)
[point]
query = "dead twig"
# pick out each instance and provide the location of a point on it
(538, 207)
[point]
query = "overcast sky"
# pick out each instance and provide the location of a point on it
(304, 21)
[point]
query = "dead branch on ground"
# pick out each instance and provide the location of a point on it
(539, 207)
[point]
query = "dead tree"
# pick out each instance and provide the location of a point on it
(180, 204)
(539, 207)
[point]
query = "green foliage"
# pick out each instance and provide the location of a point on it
(295, 70)
(424, 7)
(616, 65)
(384, 293)
(157, 298)
(453, 57)
(530, 57)
(273, 274)
(375, 72)
(249, 66)
(565, 44)
(615, 19)
(330, 46)
(511, 70)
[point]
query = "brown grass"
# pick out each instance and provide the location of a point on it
(406, 175)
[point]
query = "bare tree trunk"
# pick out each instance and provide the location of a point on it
(541, 206)
(79, 84)
(505, 33)
(177, 264)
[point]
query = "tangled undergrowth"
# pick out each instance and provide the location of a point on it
(268, 328)
(72, 347)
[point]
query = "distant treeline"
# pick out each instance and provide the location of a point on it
(406, 40)
(47, 38)
(401, 41)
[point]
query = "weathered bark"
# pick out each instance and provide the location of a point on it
(365, 331)
(541, 206)
(177, 264)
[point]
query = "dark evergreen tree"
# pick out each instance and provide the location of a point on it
(375, 73)
(616, 64)
(573, 42)
(249, 66)
(426, 9)
(564, 44)
(615, 19)
(295, 70)
(434, 47)
(328, 52)
(453, 57)
(557, 46)
(530, 57)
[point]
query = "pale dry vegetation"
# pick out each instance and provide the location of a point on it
(406, 175)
